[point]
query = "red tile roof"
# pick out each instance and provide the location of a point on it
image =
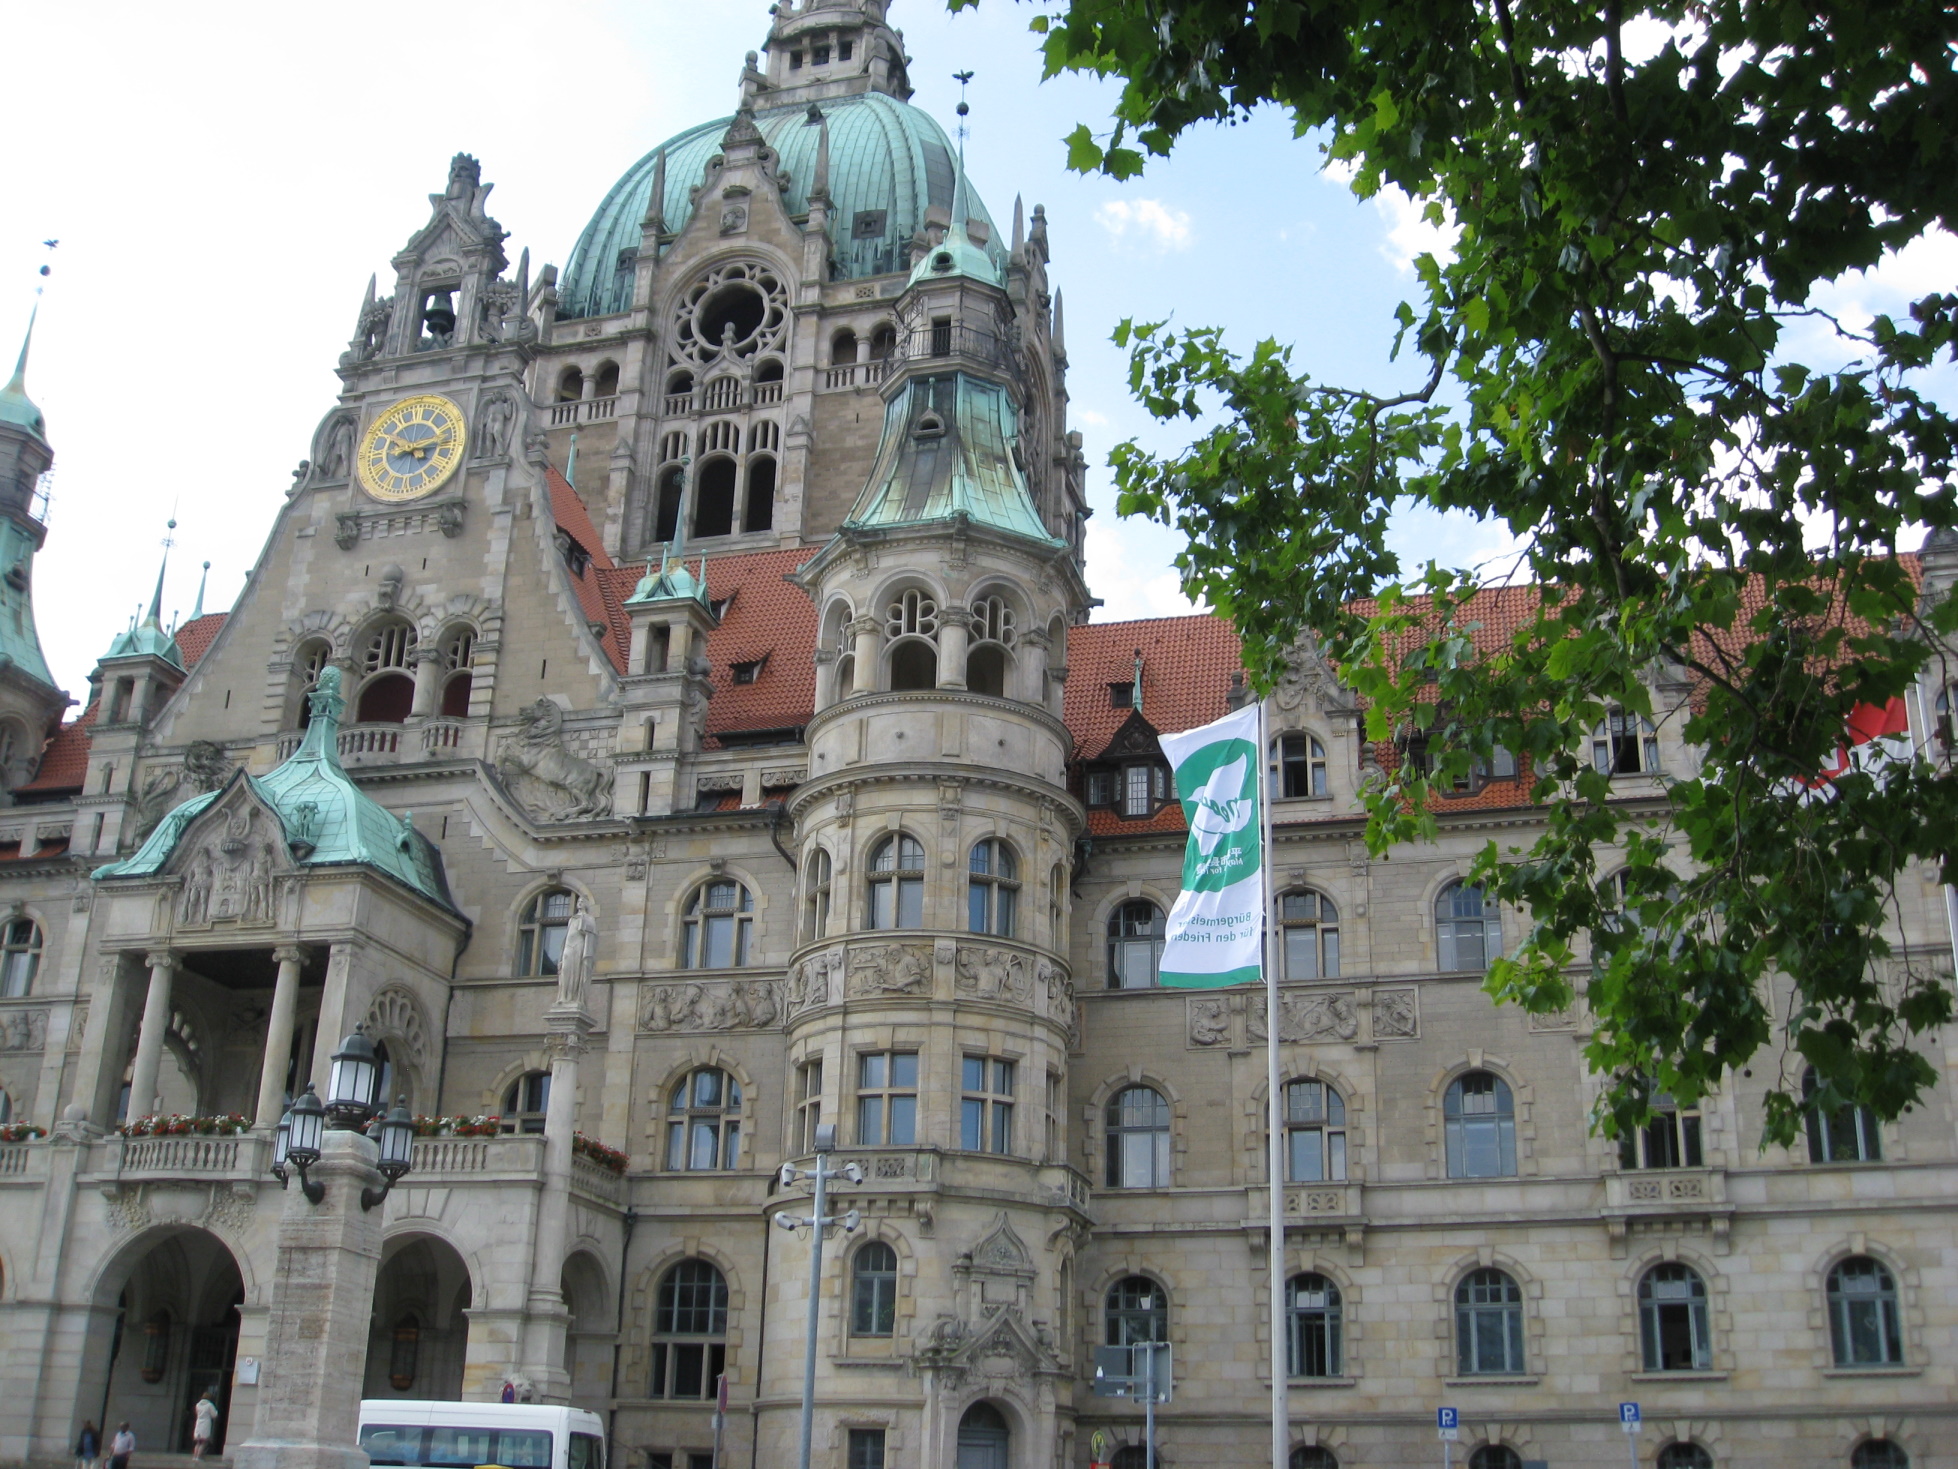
(194, 638)
(1187, 663)
(64, 764)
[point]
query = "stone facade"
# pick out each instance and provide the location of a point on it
(875, 846)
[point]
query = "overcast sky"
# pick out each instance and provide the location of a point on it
(224, 178)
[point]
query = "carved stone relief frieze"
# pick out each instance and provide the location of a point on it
(23, 1030)
(396, 1012)
(814, 982)
(1395, 1015)
(1210, 1020)
(993, 974)
(691, 1005)
(1058, 985)
(230, 875)
(1308, 1017)
(890, 969)
(540, 771)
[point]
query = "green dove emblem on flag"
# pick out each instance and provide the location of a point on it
(1214, 932)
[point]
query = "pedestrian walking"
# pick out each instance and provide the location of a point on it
(204, 1426)
(121, 1447)
(88, 1448)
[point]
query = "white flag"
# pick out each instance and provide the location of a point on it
(1215, 934)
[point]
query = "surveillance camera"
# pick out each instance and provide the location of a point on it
(788, 1221)
(851, 1220)
(788, 1175)
(853, 1171)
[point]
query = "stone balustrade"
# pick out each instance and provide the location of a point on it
(581, 410)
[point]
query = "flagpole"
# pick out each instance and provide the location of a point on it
(1281, 1428)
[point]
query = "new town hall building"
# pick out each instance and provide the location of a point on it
(727, 586)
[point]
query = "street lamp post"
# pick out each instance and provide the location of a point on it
(817, 1221)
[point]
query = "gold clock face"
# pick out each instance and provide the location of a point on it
(412, 449)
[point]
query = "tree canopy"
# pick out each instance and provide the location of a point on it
(1648, 196)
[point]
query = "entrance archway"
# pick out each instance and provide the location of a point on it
(984, 1439)
(420, 1336)
(166, 1329)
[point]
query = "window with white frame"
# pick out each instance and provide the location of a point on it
(1479, 1126)
(1625, 744)
(526, 1102)
(703, 1121)
(873, 1290)
(808, 1104)
(1468, 927)
(1865, 1323)
(1315, 1133)
(1488, 1324)
(1671, 1139)
(1673, 1328)
(540, 932)
(1845, 1134)
(1309, 925)
(1135, 945)
(897, 883)
(689, 1332)
(1136, 1309)
(887, 1099)
(992, 888)
(1298, 763)
(986, 1085)
(716, 928)
(1138, 1139)
(20, 957)
(1313, 1327)
(816, 878)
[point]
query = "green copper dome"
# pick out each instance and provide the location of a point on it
(329, 821)
(888, 163)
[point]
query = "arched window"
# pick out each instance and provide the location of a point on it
(992, 888)
(666, 504)
(570, 385)
(308, 663)
(1670, 1140)
(1479, 1117)
(1138, 1139)
(816, 877)
(1298, 765)
(1312, 1456)
(1135, 945)
(873, 1290)
(1315, 1132)
(605, 382)
(897, 883)
(716, 927)
(914, 666)
(1865, 1325)
(20, 957)
(1684, 1456)
(1468, 926)
(526, 1102)
(540, 934)
(1136, 1310)
(883, 342)
(768, 370)
(1845, 1135)
(911, 622)
(703, 1121)
(758, 508)
(1625, 744)
(679, 385)
(1673, 1319)
(458, 657)
(1313, 1327)
(713, 497)
(1488, 1324)
(1879, 1453)
(387, 694)
(1495, 1456)
(843, 349)
(985, 670)
(995, 628)
(1310, 924)
(689, 1332)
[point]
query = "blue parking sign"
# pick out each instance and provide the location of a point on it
(1628, 1417)
(1449, 1422)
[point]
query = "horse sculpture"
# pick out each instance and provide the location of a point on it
(537, 753)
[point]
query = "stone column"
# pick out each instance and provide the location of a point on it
(952, 625)
(315, 1353)
(149, 1039)
(428, 678)
(826, 690)
(548, 1321)
(866, 630)
(1033, 669)
(278, 1037)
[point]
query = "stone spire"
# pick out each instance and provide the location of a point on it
(204, 577)
(17, 410)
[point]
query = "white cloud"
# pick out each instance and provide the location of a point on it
(1409, 236)
(1091, 418)
(1128, 565)
(1149, 221)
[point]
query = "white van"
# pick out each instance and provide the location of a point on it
(421, 1432)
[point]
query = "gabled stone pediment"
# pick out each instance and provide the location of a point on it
(1002, 1251)
(1309, 681)
(230, 856)
(1137, 736)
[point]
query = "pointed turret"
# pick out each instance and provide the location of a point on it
(16, 408)
(29, 700)
(198, 610)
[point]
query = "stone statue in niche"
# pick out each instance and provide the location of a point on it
(336, 450)
(580, 956)
(198, 880)
(493, 426)
(551, 781)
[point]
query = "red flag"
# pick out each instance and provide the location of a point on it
(1877, 735)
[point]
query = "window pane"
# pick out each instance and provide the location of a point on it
(870, 1069)
(972, 1073)
(904, 1068)
(904, 1122)
(972, 1115)
(881, 911)
(1002, 1127)
(975, 900)
(1301, 953)
(720, 942)
(1308, 1155)
(870, 1121)
(1006, 900)
(910, 903)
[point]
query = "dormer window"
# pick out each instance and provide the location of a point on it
(795, 61)
(843, 49)
(941, 262)
(931, 426)
(1122, 695)
(746, 672)
(1133, 790)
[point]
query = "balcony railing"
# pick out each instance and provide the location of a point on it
(391, 744)
(855, 374)
(952, 340)
(583, 410)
